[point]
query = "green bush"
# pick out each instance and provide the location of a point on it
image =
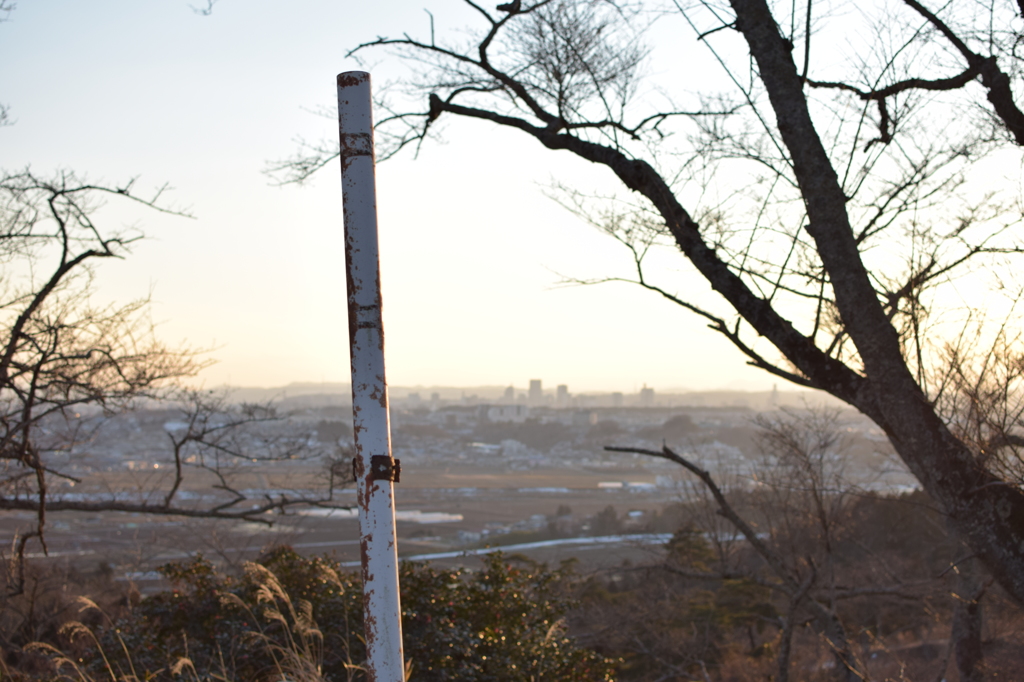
(503, 623)
(303, 616)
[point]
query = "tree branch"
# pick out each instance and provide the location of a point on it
(1000, 94)
(791, 580)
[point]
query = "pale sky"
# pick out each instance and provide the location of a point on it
(472, 249)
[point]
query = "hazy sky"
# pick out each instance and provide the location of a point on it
(472, 249)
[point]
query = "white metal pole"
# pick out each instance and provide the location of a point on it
(375, 470)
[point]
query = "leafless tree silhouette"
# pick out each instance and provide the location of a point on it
(849, 203)
(62, 355)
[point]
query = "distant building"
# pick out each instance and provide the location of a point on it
(508, 413)
(646, 396)
(456, 416)
(562, 396)
(616, 399)
(536, 392)
(510, 395)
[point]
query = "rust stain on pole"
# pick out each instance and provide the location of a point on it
(350, 79)
(371, 427)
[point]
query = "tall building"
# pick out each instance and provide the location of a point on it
(562, 396)
(536, 393)
(646, 396)
(510, 395)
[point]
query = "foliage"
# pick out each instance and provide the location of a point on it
(533, 433)
(504, 622)
(688, 549)
(711, 608)
(236, 626)
(606, 522)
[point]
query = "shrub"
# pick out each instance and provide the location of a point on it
(302, 618)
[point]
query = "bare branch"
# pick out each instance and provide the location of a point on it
(1000, 94)
(792, 582)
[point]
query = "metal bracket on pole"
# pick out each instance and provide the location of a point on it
(382, 468)
(385, 468)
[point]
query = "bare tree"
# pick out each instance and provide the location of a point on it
(797, 542)
(801, 517)
(60, 352)
(855, 204)
(980, 395)
(64, 358)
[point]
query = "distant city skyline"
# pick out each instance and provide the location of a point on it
(511, 390)
(515, 405)
(558, 397)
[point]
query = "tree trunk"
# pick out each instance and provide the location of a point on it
(967, 624)
(986, 512)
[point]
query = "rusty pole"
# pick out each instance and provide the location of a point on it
(374, 469)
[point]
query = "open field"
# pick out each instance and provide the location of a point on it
(440, 509)
(468, 482)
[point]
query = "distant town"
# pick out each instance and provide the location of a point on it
(481, 467)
